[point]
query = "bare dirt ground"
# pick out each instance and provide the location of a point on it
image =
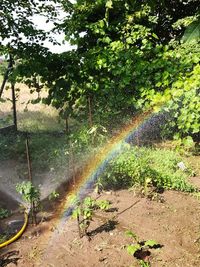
(175, 224)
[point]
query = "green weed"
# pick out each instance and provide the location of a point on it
(84, 211)
(144, 166)
(141, 249)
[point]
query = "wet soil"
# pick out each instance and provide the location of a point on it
(174, 224)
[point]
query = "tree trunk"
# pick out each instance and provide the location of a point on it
(10, 65)
(34, 214)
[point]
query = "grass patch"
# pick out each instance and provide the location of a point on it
(53, 149)
(39, 121)
(46, 150)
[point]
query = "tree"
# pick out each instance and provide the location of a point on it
(130, 53)
(20, 38)
(128, 56)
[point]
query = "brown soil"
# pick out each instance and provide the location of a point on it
(175, 224)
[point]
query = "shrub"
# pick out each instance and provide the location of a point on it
(138, 165)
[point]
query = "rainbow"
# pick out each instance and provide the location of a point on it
(129, 134)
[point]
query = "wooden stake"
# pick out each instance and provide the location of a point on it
(73, 164)
(14, 106)
(90, 111)
(28, 159)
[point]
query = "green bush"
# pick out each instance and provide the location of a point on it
(184, 107)
(139, 165)
(126, 170)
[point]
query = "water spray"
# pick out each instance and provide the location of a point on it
(28, 209)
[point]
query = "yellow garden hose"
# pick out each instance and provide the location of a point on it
(6, 243)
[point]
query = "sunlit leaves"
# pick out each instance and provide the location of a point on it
(128, 56)
(109, 4)
(192, 32)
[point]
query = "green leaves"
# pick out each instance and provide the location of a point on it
(103, 204)
(131, 234)
(89, 202)
(29, 192)
(131, 249)
(4, 213)
(109, 4)
(84, 211)
(141, 249)
(143, 167)
(16, 23)
(188, 142)
(185, 107)
(76, 213)
(151, 243)
(87, 213)
(31, 195)
(192, 32)
(87, 207)
(126, 58)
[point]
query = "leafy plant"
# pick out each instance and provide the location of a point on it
(97, 133)
(144, 264)
(84, 212)
(3, 238)
(185, 108)
(141, 249)
(192, 32)
(31, 195)
(146, 167)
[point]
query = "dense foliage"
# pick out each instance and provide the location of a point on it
(146, 167)
(129, 55)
